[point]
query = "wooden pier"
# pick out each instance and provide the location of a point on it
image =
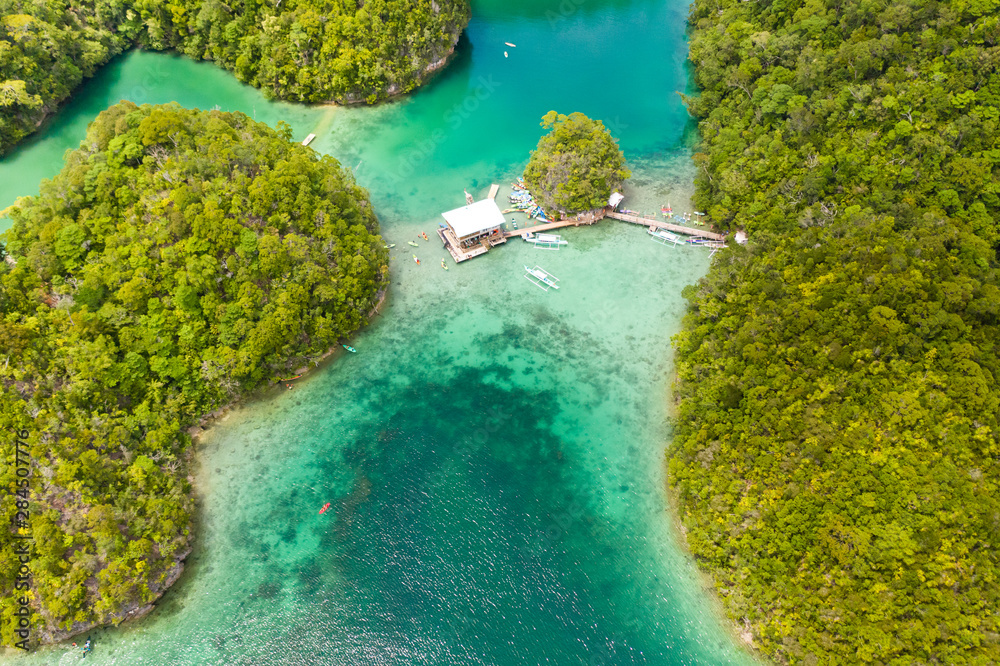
(711, 239)
(587, 218)
(455, 249)
(677, 228)
(540, 227)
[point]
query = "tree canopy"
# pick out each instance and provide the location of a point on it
(179, 260)
(837, 437)
(295, 50)
(576, 166)
(309, 51)
(47, 48)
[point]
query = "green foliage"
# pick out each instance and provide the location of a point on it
(576, 166)
(311, 51)
(46, 49)
(295, 49)
(179, 260)
(835, 455)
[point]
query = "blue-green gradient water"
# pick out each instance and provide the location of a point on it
(493, 454)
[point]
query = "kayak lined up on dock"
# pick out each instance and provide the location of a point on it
(521, 200)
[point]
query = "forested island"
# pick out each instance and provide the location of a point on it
(293, 50)
(180, 260)
(576, 166)
(836, 441)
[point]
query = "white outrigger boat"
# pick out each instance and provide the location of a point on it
(663, 237)
(545, 241)
(541, 278)
(713, 244)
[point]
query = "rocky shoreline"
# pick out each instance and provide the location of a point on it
(133, 611)
(137, 611)
(393, 91)
(205, 421)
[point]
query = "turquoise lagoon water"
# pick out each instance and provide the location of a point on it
(493, 454)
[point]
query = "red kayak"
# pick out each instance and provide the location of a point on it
(325, 507)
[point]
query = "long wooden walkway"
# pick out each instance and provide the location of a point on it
(493, 191)
(540, 227)
(586, 218)
(677, 228)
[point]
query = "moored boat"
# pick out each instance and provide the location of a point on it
(541, 278)
(663, 236)
(544, 239)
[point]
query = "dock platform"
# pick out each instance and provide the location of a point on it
(539, 227)
(676, 228)
(661, 231)
(455, 249)
(588, 218)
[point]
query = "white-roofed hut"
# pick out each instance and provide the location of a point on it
(471, 230)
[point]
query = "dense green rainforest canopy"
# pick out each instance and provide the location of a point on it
(576, 166)
(837, 434)
(179, 260)
(301, 50)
